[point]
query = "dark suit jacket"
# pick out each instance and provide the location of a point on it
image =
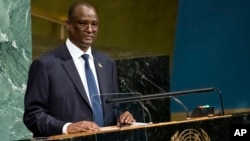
(55, 94)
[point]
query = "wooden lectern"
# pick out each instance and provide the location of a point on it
(204, 128)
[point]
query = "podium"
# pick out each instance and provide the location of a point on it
(204, 128)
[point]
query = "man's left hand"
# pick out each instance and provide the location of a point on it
(126, 118)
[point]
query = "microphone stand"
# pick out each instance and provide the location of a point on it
(141, 103)
(178, 101)
(221, 101)
(164, 95)
(157, 96)
(118, 113)
(162, 90)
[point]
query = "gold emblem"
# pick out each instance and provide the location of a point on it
(191, 135)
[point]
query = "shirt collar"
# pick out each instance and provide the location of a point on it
(76, 52)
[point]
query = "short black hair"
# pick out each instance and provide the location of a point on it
(75, 5)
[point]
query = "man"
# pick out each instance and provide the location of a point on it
(58, 97)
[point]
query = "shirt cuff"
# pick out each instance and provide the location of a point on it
(65, 126)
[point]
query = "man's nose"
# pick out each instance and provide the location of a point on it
(89, 28)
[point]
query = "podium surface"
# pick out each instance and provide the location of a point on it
(203, 128)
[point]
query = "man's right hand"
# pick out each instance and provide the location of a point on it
(82, 126)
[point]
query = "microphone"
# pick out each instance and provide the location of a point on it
(221, 101)
(143, 77)
(143, 106)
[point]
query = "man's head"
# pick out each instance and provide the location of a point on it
(82, 24)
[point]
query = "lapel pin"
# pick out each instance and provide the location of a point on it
(100, 65)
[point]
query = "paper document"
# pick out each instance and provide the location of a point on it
(139, 123)
(109, 128)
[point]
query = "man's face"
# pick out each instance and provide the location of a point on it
(83, 26)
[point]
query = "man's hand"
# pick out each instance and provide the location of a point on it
(126, 118)
(82, 126)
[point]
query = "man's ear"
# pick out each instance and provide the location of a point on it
(68, 24)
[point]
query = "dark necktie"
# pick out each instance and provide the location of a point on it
(93, 93)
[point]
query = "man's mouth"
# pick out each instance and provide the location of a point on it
(88, 37)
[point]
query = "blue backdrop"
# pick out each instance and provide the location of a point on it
(212, 49)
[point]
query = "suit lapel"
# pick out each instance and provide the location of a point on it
(72, 72)
(100, 73)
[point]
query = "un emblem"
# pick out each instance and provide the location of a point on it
(191, 135)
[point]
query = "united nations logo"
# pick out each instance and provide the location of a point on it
(191, 135)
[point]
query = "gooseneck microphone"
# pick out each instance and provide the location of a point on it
(163, 91)
(141, 103)
(221, 101)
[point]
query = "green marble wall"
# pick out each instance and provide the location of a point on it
(15, 58)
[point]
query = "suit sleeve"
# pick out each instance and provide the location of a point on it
(115, 90)
(115, 83)
(37, 117)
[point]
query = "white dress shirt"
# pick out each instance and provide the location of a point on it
(76, 54)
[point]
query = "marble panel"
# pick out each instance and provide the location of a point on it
(15, 57)
(154, 69)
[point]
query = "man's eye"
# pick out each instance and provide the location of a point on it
(82, 23)
(95, 24)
